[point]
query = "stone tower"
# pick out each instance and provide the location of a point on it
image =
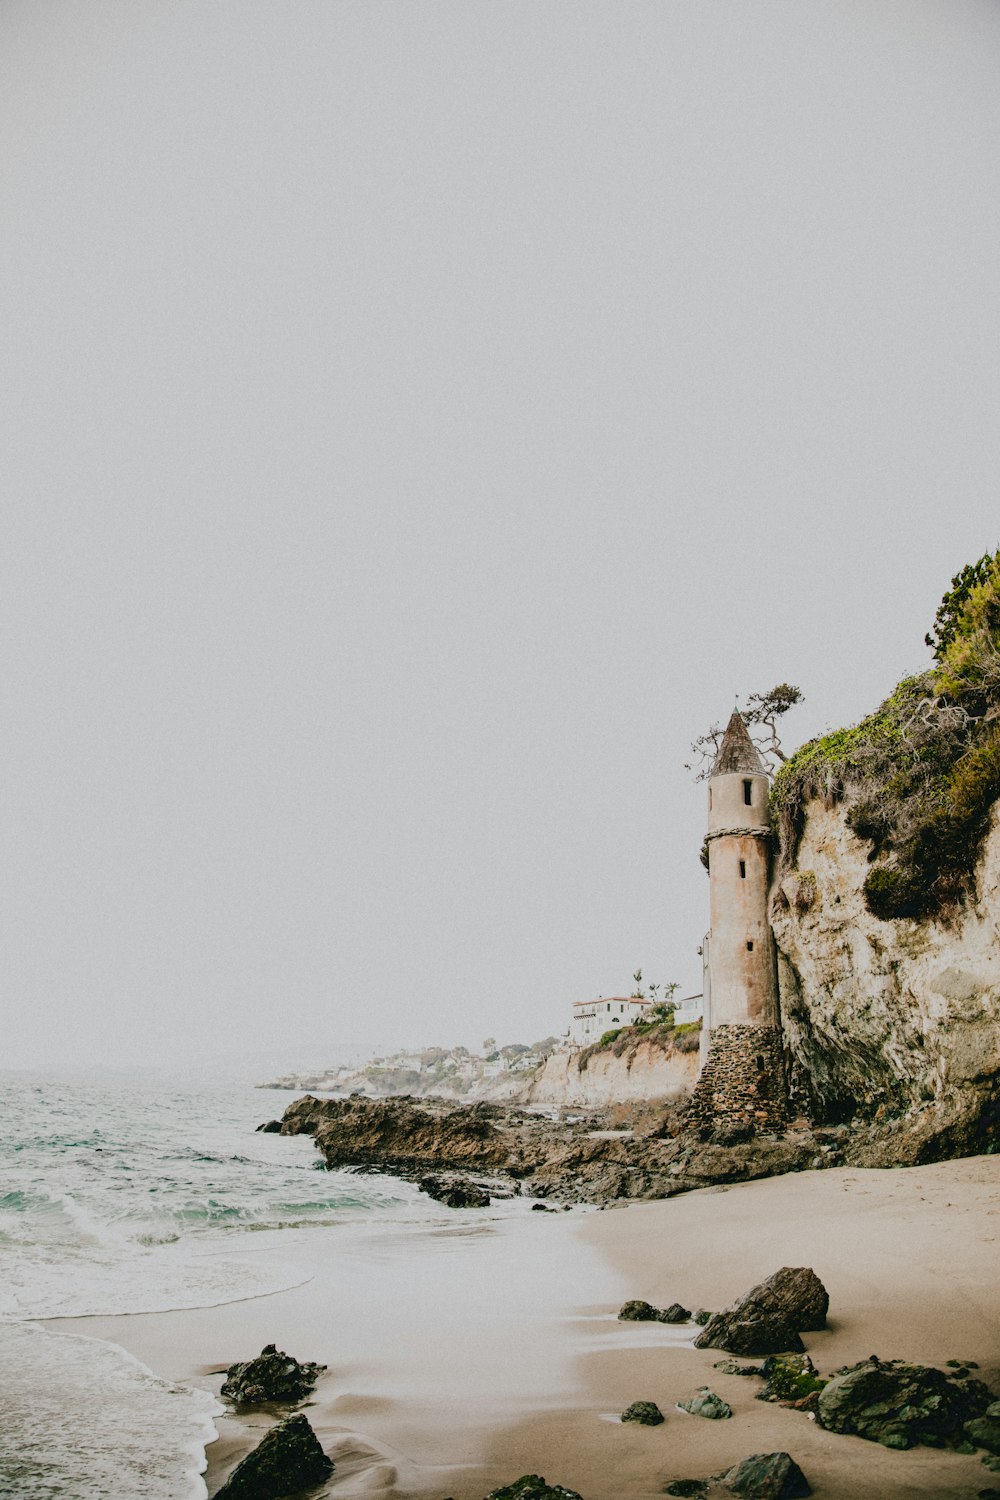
(742, 1076)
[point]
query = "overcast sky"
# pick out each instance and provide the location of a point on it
(419, 421)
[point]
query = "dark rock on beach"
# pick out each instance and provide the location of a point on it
(984, 1431)
(269, 1127)
(767, 1476)
(900, 1405)
(272, 1376)
(769, 1318)
(675, 1313)
(638, 1311)
(646, 1413)
(286, 1460)
(763, 1476)
(455, 1194)
(532, 1487)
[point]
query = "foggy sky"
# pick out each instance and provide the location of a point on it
(419, 421)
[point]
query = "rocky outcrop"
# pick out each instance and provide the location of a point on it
(889, 1018)
(900, 1405)
(272, 1376)
(769, 1318)
(633, 1068)
(286, 1460)
(574, 1162)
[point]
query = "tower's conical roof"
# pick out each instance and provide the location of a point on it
(737, 753)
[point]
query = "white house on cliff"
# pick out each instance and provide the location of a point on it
(592, 1018)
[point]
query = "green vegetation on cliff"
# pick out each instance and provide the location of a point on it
(922, 772)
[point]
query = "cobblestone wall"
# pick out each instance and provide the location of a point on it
(743, 1080)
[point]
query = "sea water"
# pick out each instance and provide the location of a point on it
(126, 1199)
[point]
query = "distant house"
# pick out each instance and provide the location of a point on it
(592, 1018)
(690, 1009)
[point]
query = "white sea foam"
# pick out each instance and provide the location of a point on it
(83, 1419)
(127, 1201)
(84, 1283)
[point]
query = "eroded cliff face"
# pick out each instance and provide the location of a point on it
(638, 1070)
(900, 1013)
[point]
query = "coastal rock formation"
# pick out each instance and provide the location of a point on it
(900, 1405)
(400, 1132)
(769, 1318)
(892, 1018)
(286, 1460)
(574, 1162)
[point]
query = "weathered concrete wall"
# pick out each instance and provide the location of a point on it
(898, 1012)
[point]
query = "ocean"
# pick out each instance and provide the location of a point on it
(118, 1199)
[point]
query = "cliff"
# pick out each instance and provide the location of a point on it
(885, 902)
(440, 1072)
(888, 1017)
(657, 1066)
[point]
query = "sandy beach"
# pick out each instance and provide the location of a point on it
(466, 1353)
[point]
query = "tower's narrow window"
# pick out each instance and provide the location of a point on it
(749, 947)
(743, 869)
(710, 799)
(748, 793)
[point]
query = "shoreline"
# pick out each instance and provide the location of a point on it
(467, 1352)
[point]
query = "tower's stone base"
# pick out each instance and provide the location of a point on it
(743, 1080)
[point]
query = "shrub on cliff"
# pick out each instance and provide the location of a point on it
(921, 774)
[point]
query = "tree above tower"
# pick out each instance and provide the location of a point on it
(761, 713)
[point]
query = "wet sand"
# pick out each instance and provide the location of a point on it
(466, 1353)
